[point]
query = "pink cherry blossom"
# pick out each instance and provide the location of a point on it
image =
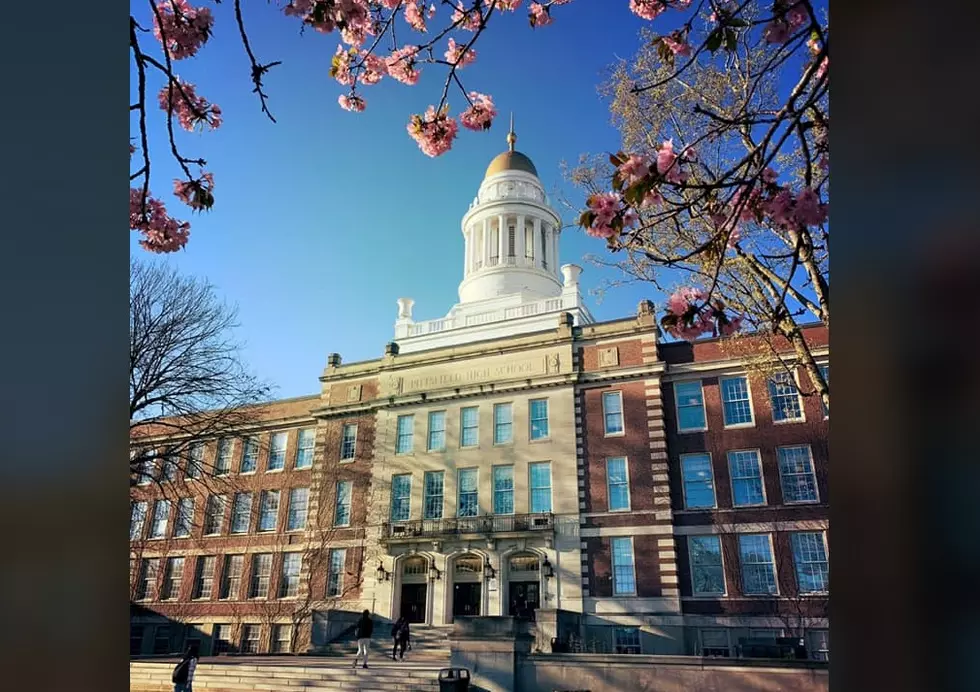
(677, 44)
(161, 232)
(665, 156)
(391, 4)
(469, 18)
(401, 65)
(809, 211)
(634, 169)
(605, 206)
(480, 115)
(780, 208)
(455, 55)
(132, 150)
(351, 102)
(539, 15)
(433, 132)
(731, 326)
(507, 5)
(769, 176)
(734, 236)
(647, 9)
(776, 31)
(340, 66)
(689, 154)
(197, 194)
(413, 15)
(374, 69)
(352, 17)
(749, 210)
(431, 12)
(191, 110)
(823, 67)
(653, 198)
(183, 32)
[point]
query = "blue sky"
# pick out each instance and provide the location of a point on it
(324, 219)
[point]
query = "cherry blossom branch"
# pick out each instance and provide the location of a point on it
(257, 70)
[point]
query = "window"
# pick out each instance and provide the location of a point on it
(250, 455)
(148, 578)
(289, 581)
(136, 639)
(185, 518)
(137, 520)
(469, 503)
(432, 491)
(689, 399)
(714, 642)
(810, 558)
(736, 406)
(241, 513)
(261, 571)
(796, 475)
(231, 577)
(298, 504)
(503, 424)
(612, 412)
(401, 497)
(282, 639)
(203, 577)
(404, 434)
(699, 485)
(618, 484)
(148, 467)
(335, 572)
(758, 570)
(172, 575)
(819, 644)
(503, 489)
(222, 460)
(469, 423)
(171, 466)
(785, 398)
(304, 448)
(540, 485)
(624, 578)
(437, 431)
(250, 639)
(161, 515)
(825, 371)
(626, 640)
(222, 639)
(195, 460)
(544, 247)
(277, 451)
(348, 441)
(269, 510)
(539, 419)
(214, 515)
(746, 472)
(529, 243)
(341, 516)
(161, 640)
(510, 241)
(707, 568)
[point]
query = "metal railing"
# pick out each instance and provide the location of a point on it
(485, 525)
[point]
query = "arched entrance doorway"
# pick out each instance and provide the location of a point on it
(415, 586)
(467, 585)
(523, 585)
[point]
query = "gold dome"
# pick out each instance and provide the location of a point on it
(511, 160)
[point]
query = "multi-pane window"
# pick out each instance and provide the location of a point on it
(437, 431)
(304, 448)
(758, 570)
(825, 371)
(250, 455)
(819, 644)
(401, 497)
(137, 520)
(810, 558)
(136, 633)
(173, 573)
(735, 403)
(341, 516)
(618, 484)
(469, 426)
(161, 515)
(714, 642)
(289, 579)
(222, 639)
(540, 486)
(231, 577)
(277, 451)
(282, 638)
(241, 512)
(185, 518)
(335, 572)
(707, 570)
(148, 468)
(404, 434)
(626, 640)
(250, 639)
(432, 495)
(503, 423)
(699, 484)
(261, 572)
(785, 398)
(171, 466)
(195, 460)
(268, 510)
(612, 412)
(624, 576)
(161, 640)
(690, 406)
(299, 499)
(746, 472)
(539, 418)
(469, 503)
(503, 489)
(796, 476)
(222, 459)
(148, 578)
(204, 577)
(348, 441)
(214, 514)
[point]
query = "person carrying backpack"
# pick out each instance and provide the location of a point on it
(184, 672)
(363, 631)
(401, 634)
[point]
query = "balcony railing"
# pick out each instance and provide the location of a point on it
(461, 526)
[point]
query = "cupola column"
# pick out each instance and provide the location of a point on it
(536, 237)
(519, 240)
(502, 238)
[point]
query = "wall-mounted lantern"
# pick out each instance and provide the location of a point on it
(434, 573)
(547, 569)
(382, 573)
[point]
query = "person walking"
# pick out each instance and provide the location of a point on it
(363, 631)
(184, 672)
(401, 634)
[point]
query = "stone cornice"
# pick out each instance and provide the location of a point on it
(731, 366)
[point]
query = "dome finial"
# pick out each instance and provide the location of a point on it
(511, 137)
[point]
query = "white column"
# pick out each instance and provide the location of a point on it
(502, 238)
(519, 240)
(536, 237)
(554, 251)
(486, 242)
(467, 251)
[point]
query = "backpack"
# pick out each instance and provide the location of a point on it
(180, 672)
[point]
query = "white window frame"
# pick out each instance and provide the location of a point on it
(410, 435)
(530, 420)
(772, 563)
(732, 479)
(262, 496)
(234, 594)
(632, 629)
(721, 396)
(139, 511)
(300, 448)
(462, 419)
(690, 563)
(339, 574)
(222, 502)
(248, 517)
(283, 576)
(393, 498)
(252, 440)
(248, 628)
(796, 569)
(278, 435)
(426, 496)
(629, 494)
(512, 491)
(677, 407)
(428, 439)
(163, 502)
(348, 455)
(826, 375)
(510, 422)
(168, 590)
(794, 376)
(530, 489)
(813, 476)
(230, 441)
(612, 562)
(728, 637)
(290, 511)
(179, 514)
(255, 576)
(150, 460)
(201, 578)
(714, 487)
(622, 414)
(459, 492)
(276, 639)
(348, 505)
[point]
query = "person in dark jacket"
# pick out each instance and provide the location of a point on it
(401, 634)
(363, 631)
(183, 676)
